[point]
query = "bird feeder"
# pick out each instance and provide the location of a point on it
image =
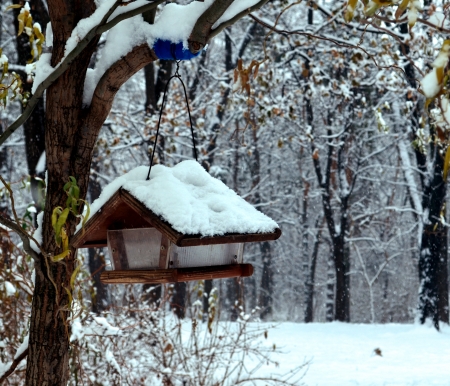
(181, 225)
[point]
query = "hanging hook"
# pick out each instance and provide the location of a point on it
(178, 76)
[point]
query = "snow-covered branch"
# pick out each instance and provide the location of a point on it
(55, 73)
(9, 368)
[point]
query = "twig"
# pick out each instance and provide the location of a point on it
(329, 39)
(22, 234)
(11, 197)
(13, 366)
(419, 20)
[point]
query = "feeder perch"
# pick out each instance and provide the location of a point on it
(182, 225)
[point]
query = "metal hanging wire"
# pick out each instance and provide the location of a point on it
(178, 76)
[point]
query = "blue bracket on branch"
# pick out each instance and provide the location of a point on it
(165, 49)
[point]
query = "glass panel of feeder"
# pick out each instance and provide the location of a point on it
(205, 255)
(134, 248)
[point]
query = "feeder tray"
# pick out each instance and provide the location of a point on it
(144, 248)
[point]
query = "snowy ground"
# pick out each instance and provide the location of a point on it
(343, 354)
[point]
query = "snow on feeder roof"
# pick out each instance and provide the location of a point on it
(179, 207)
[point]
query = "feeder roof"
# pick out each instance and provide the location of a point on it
(190, 200)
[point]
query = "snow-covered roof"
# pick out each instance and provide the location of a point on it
(190, 200)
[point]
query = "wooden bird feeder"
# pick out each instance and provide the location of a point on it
(145, 247)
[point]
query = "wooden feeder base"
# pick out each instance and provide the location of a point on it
(174, 275)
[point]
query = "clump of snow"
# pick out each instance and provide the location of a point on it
(42, 71)
(41, 165)
(438, 19)
(85, 25)
(22, 347)
(190, 200)
(49, 35)
(235, 8)
(10, 289)
(99, 326)
(37, 235)
(430, 85)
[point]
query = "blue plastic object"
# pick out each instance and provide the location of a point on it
(165, 49)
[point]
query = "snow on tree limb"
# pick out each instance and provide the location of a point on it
(63, 66)
(223, 22)
(411, 184)
(82, 36)
(10, 367)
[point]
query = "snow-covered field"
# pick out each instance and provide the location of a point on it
(344, 354)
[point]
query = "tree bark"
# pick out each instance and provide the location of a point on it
(339, 251)
(266, 291)
(433, 260)
(310, 280)
(178, 301)
(433, 272)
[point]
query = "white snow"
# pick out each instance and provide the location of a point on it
(49, 35)
(430, 85)
(109, 356)
(42, 71)
(99, 326)
(37, 235)
(438, 19)
(40, 167)
(4, 367)
(188, 198)
(22, 347)
(174, 23)
(343, 354)
(10, 289)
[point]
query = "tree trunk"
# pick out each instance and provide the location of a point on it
(49, 330)
(266, 291)
(433, 273)
(96, 256)
(433, 268)
(342, 267)
(48, 358)
(178, 302)
(329, 302)
(233, 298)
(310, 280)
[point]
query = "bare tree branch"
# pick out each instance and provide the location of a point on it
(336, 41)
(15, 225)
(25, 237)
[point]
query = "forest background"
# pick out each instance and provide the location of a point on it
(320, 114)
